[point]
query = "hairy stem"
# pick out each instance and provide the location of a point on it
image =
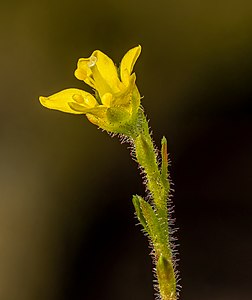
(154, 216)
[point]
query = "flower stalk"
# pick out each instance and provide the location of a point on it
(115, 107)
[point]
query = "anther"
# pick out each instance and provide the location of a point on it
(78, 98)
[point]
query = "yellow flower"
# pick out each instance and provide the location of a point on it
(116, 99)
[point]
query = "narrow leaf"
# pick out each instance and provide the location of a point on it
(136, 202)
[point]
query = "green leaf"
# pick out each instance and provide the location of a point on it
(147, 217)
(136, 202)
(164, 167)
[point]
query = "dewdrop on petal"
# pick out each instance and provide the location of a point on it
(92, 61)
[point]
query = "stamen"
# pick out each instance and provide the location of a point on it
(87, 101)
(106, 99)
(78, 98)
(92, 61)
(90, 101)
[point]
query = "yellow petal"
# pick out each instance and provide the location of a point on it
(128, 63)
(99, 72)
(124, 98)
(83, 71)
(104, 70)
(60, 101)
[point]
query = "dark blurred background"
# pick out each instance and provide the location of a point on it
(67, 226)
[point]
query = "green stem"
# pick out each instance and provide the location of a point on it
(154, 216)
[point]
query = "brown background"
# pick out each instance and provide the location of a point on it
(67, 229)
